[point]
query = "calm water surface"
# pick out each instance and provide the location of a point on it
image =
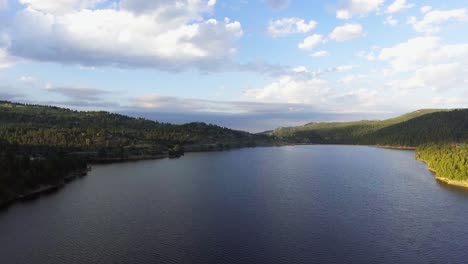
(302, 204)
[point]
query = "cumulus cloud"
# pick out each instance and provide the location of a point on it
(309, 88)
(346, 32)
(425, 9)
(397, 6)
(362, 98)
(432, 20)
(343, 68)
(420, 51)
(370, 55)
(159, 34)
(287, 26)
(357, 8)
(278, 4)
(391, 21)
(438, 77)
(429, 63)
(350, 78)
(320, 53)
(310, 42)
(60, 6)
(292, 89)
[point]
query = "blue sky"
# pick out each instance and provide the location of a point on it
(247, 64)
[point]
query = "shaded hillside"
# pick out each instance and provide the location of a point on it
(441, 138)
(108, 133)
(42, 147)
(411, 129)
(435, 127)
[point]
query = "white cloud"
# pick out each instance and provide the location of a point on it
(27, 79)
(343, 68)
(60, 6)
(391, 21)
(398, 5)
(292, 89)
(438, 77)
(360, 99)
(426, 63)
(369, 55)
(300, 69)
(5, 59)
(358, 7)
(417, 52)
(165, 36)
(310, 42)
(304, 88)
(286, 26)
(169, 9)
(425, 9)
(350, 78)
(320, 53)
(431, 21)
(346, 32)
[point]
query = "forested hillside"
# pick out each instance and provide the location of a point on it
(22, 173)
(410, 130)
(41, 145)
(440, 137)
(109, 134)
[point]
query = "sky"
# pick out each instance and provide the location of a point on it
(248, 64)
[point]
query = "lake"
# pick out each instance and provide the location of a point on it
(294, 204)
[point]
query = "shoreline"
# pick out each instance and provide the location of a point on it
(50, 188)
(462, 184)
(46, 189)
(395, 147)
(444, 180)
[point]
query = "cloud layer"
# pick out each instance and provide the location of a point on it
(137, 33)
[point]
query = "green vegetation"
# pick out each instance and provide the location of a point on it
(41, 145)
(22, 173)
(449, 161)
(110, 135)
(412, 129)
(434, 133)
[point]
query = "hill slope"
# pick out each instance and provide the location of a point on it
(41, 147)
(53, 127)
(441, 138)
(413, 129)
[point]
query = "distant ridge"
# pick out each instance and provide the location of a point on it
(411, 129)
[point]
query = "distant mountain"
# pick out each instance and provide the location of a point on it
(411, 130)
